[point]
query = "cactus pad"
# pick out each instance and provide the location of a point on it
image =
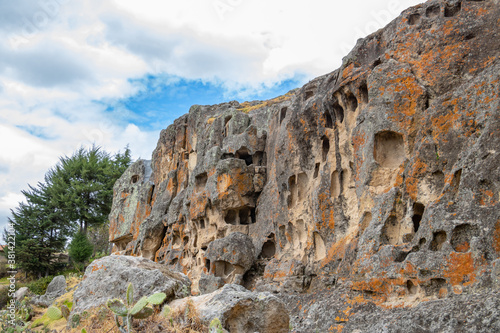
(117, 307)
(144, 313)
(157, 298)
(54, 313)
(130, 294)
(139, 305)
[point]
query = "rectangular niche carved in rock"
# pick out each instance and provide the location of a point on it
(302, 182)
(316, 171)
(292, 187)
(319, 247)
(352, 102)
(391, 231)
(231, 217)
(283, 114)
(389, 149)
(201, 181)
(335, 185)
(325, 148)
(259, 158)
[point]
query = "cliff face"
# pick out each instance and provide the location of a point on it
(380, 179)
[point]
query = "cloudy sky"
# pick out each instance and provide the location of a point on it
(77, 72)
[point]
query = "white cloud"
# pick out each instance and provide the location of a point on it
(61, 56)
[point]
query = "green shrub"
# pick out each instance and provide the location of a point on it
(40, 286)
(80, 248)
(4, 296)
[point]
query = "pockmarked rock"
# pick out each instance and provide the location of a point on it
(379, 178)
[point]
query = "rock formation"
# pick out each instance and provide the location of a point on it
(239, 310)
(375, 186)
(56, 288)
(108, 278)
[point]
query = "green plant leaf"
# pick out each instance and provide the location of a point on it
(130, 294)
(84, 330)
(157, 298)
(139, 305)
(117, 306)
(54, 313)
(144, 313)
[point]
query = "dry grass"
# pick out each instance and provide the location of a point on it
(185, 320)
(246, 107)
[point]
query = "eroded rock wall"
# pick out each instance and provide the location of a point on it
(382, 176)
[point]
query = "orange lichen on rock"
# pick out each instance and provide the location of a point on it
(496, 237)
(460, 269)
(418, 169)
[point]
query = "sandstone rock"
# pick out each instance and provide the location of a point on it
(108, 278)
(239, 310)
(231, 257)
(21, 293)
(56, 288)
(210, 283)
(380, 177)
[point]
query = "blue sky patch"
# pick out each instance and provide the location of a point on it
(162, 99)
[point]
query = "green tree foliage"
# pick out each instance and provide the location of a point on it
(82, 185)
(76, 195)
(80, 248)
(40, 232)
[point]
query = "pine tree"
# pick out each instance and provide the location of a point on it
(76, 194)
(82, 185)
(80, 248)
(39, 231)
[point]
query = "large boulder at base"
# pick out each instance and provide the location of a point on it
(56, 288)
(109, 277)
(240, 310)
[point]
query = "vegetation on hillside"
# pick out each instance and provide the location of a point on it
(73, 201)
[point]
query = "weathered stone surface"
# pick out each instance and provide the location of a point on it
(56, 288)
(382, 176)
(21, 293)
(328, 311)
(239, 310)
(209, 283)
(231, 257)
(108, 278)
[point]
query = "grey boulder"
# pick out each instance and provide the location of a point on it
(56, 288)
(21, 293)
(108, 278)
(239, 310)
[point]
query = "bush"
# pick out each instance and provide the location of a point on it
(4, 296)
(40, 286)
(80, 248)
